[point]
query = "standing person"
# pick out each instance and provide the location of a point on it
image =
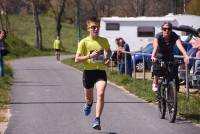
(164, 44)
(57, 45)
(123, 46)
(3, 51)
(196, 44)
(91, 52)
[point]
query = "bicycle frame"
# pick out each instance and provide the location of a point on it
(166, 85)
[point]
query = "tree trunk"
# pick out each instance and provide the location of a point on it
(58, 18)
(1, 21)
(38, 29)
(4, 16)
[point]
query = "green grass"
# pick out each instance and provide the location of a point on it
(189, 109)
(5, 87)
(23, 28)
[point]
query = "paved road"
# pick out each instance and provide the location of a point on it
(47, 98)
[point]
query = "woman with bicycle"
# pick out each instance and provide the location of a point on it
(164, 44)
(166, 88)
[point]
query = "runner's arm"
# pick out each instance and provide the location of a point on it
(80, 58)
(108, 56)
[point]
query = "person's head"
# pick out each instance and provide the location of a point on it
(117, 41)
(198, 32)
(166, 28)
(93, 26)
(2, 34)
(57, 37)
(121, 42)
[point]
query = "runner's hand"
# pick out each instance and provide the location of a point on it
(153, 59)
(95, 53)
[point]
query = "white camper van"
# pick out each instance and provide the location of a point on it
(139, 31)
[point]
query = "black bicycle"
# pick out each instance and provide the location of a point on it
(167, 90)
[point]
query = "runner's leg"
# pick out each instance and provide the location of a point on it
(100, 86)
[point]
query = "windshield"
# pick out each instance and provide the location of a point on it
(147, 49)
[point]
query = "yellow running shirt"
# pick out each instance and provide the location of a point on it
(87, 45)
(57, 44)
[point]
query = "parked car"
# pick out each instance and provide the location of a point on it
(138, 59)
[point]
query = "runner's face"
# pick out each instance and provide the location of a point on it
(93, 29)
(166, 29)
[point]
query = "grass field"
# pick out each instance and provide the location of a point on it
(23, 28)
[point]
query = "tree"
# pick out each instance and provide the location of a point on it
(58, 18)
(4, 15)
(193, 7)
(57, 8)
(38, 29)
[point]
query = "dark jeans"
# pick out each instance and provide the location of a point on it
(1, 67)
(129, 69)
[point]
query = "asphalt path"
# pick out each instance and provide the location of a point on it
(47, 98)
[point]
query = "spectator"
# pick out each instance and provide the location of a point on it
(123, 46)
(196, 44)
(3, 51)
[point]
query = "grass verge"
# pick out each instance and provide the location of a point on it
(188, 109)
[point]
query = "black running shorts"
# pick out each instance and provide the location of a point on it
(90, 77)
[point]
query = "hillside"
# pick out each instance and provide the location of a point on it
(23, 28)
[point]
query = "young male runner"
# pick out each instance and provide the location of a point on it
(94, 51)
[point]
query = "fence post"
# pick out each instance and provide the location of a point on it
(187, 82)
(111, 65)
(125, 58)
(143, 67)
(134, 68)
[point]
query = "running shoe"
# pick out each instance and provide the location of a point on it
(86, 109)
(96, 124)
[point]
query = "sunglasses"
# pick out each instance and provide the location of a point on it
(165, 29)
(94, 27)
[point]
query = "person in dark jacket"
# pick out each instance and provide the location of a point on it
(3, 51)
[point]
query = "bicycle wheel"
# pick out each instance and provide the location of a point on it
(171, 102)
(161, 102)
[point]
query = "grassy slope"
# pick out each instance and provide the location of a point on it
(23, 28)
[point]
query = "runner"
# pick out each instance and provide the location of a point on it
(91, 52)
(57, 47)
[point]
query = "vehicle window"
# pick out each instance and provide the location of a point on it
(112, 26)
(148, 48)
(146, 31)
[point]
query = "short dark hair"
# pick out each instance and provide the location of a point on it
(167, 23)
(92, 19)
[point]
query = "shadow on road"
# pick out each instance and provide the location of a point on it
(107, 133)
(78, 102)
